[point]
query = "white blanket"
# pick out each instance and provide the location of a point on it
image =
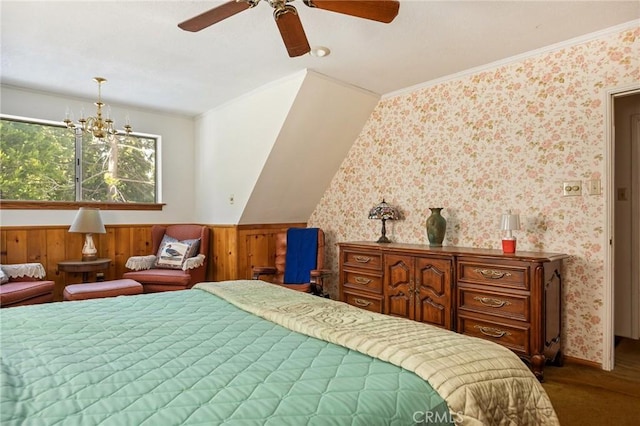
(482, 382)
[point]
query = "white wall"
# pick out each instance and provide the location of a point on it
(233, 143)
(323, 122)
(177, 171)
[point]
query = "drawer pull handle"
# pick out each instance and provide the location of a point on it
(491, 302)
(362, 302)
(362, 259)
(492, 332)
(492, 274)
(362, 280)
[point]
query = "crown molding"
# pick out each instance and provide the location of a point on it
(517, 58)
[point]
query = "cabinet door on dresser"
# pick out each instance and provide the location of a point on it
(361, 278)
(418, 288)
(398, 285)
(434, 281)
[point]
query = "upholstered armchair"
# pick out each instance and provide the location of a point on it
(299, 261)
(178, 260)
(23, 284)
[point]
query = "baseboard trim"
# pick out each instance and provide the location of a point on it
(580, 361)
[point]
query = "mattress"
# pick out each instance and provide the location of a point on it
(191, 357)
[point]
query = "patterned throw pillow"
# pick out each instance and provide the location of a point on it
(172, 253)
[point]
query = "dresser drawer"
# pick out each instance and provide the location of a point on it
(508, 335)
(362, 260)
(364, 281)
(369, 303)
(491, 274)
(504, 305)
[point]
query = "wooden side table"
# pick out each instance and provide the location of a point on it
(84, 266)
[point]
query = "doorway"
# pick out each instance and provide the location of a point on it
(623, 258)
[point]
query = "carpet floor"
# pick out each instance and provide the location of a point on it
(584, 396)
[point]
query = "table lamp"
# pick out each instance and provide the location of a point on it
(88, 222)
(383, 212)
(508, 223)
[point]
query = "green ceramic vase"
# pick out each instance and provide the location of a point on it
(436, 227)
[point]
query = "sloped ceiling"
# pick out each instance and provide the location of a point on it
(269, 157)
(324, 121)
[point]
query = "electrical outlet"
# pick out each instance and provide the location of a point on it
(571, 188)
(231, 199)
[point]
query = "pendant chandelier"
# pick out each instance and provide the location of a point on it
(98, 126)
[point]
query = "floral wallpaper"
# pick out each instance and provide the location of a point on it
(504, 138)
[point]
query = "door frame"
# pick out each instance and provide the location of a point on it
(608, 332)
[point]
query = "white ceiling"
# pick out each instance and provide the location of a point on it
(59, 46)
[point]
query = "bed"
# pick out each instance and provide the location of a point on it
(251, 353)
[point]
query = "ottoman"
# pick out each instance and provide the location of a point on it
(124, 287)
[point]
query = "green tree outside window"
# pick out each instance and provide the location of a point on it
(38, 163)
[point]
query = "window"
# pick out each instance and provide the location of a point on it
(44, 161)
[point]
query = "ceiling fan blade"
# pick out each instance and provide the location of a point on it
(214, 15)
(291, 31)
(376, 10)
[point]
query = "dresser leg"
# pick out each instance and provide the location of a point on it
(537, 366)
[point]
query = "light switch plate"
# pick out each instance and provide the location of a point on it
(571, 188)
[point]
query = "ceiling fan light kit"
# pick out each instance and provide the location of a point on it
(288, 20)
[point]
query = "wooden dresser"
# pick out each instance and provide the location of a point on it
(510, 299)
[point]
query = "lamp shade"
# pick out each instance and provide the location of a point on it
(510, 222)
(383, 211)
(88, 221)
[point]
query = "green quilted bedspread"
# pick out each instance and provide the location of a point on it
(189, 357)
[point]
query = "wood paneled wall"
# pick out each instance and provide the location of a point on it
(234, 249)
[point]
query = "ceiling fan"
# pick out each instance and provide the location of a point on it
(288, 21)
